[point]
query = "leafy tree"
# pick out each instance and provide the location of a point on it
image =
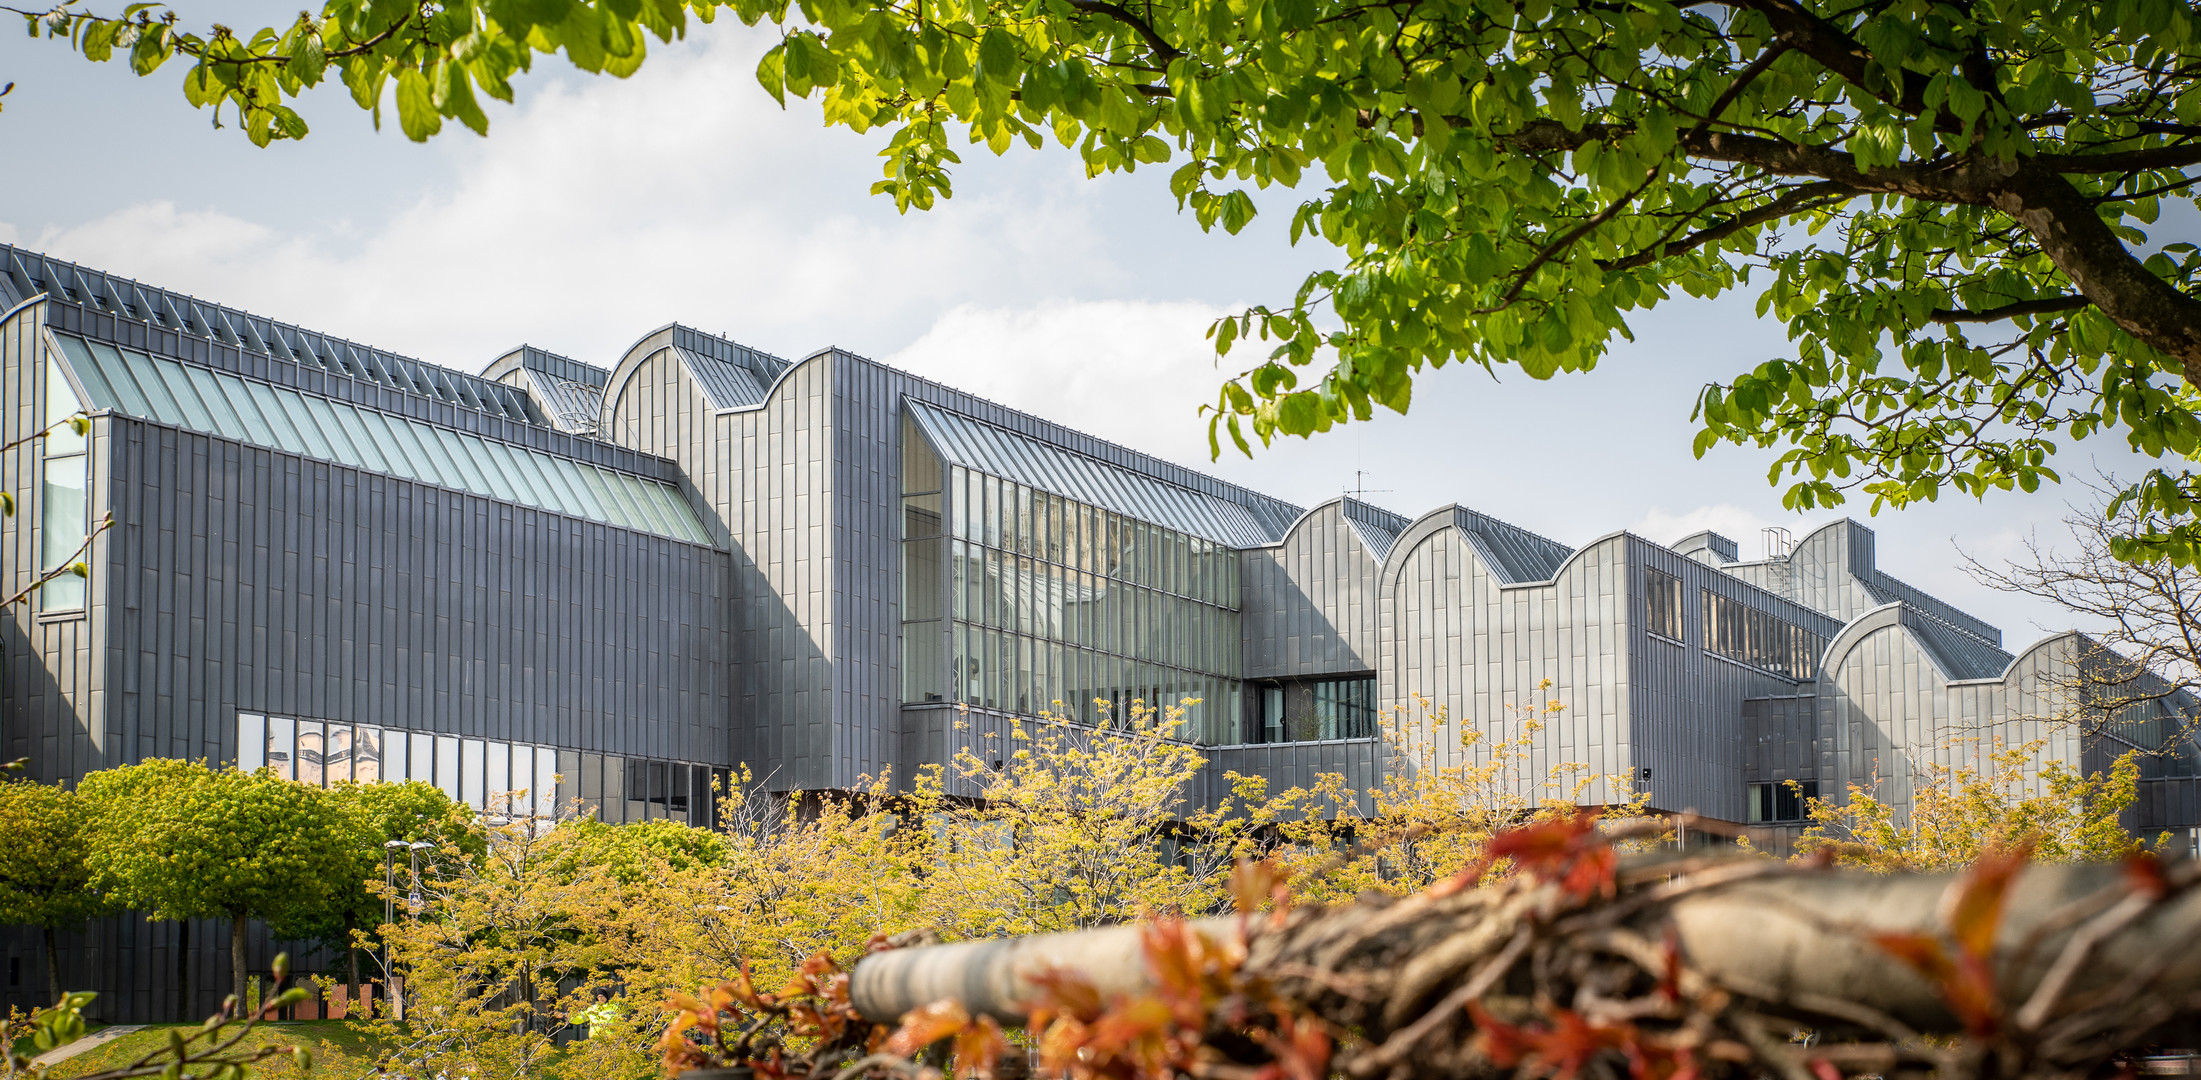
(1079, 827)
(379, 813)
(1946, 203)
(1426, 820)
(1958, 814)
(182, 840)
(44, 881)
(499, 959)
(636, 853)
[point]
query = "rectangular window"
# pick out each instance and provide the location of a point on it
(251, 742)
(500, 775)
(471, 772)
(447, 765)
(393, 745)
(65, 504)
(615, 790)
(312, 753)
(1662, 604)
(420, 765)
(545, 788)
(589, 784)
(1741, 633)
(336, 762)
(1784, 800)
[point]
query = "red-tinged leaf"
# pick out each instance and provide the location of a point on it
(1504, 1044)
(743, 989)
(1651, 1061)
(1179, 957)
(1301, 1048)
(1068, 993)
(1985, 888)
(1253, 883)
(1669, 979)
(978, 1048)
(926, 1025)
(2145, 873)
(1570, 851)
(1966, 984)
(1824, 1069)
(1561, 1049)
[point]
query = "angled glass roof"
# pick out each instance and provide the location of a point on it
(24, 274)
(218, 403)
(983, 447)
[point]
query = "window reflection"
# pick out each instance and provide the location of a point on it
(1059, 606)
(491, 776)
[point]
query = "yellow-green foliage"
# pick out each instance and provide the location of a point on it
(1079, 827)
(1429, 820)
(1958, 812)
(43, 878)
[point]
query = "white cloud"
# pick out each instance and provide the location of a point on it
(603, 209)
(1740, 524)
(1133, 372)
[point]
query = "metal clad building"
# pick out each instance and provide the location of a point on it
(617, 583)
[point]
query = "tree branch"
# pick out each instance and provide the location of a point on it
(2047, 305)
(1146, 32)
(1834, 50)
(1794, 200)
(2174, 156)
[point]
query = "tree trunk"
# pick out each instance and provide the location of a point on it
(53, 966)
(1795, 942)
(351, 963)
(184, 996)
(237, 958)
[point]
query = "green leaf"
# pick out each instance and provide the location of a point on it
(416, 108)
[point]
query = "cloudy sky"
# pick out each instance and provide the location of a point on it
(598, 210)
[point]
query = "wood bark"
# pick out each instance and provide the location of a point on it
(1795, 943)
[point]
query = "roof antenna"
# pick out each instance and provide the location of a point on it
(1360, 486)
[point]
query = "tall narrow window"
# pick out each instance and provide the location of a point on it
(924, 571)
(1662, 603)
(64, 509)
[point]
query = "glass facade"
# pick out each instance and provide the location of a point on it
(1020, 600)
(1313, 710)
(530, 780)
(65, 497)
(1742, 633)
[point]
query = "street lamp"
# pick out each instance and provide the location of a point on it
(389, 915)
(412, 850)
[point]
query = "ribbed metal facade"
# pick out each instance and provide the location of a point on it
(706, 557)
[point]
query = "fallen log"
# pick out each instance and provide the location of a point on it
(2069, 964)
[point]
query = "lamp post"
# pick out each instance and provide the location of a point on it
(389, 915)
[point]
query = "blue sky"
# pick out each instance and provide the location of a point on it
(599, 209)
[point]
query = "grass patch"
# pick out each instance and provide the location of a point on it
(337, 1050)
(28, 1048)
